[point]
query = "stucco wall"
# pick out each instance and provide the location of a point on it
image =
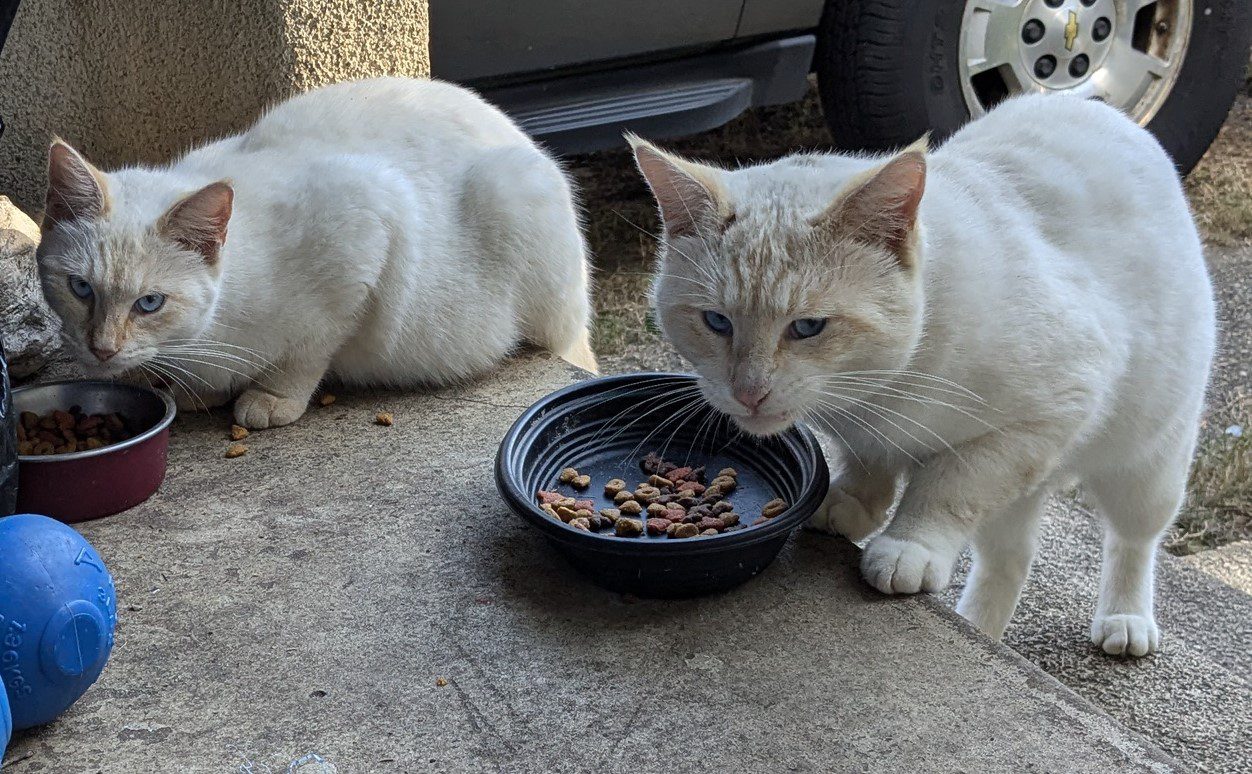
(134, 82)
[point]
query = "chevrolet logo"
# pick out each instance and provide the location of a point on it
(1071, 31)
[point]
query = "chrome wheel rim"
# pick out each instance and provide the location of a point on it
(1124, 52)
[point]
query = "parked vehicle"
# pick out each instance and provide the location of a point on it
(576, 73)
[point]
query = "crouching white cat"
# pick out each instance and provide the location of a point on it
(1023, 308)
(390, 232)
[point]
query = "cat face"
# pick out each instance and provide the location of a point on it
(769, 295)
(122, 284)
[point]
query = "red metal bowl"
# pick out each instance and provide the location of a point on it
(99, 482)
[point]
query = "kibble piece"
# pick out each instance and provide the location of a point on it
(651, 463)
(583, 513)
(548, 509)
(613, 487)
(660, 482)
(623, 497)
(687, 502)
(692, 487)
(581, 523)
(568, 502)
(773, 508)
(685, 531)
(584, 505)
(628, 527)
(384, 418)
(598, 522)
(631, 508)
(566, 514)
(236, 450)
(29, 419)
(440, 682)
(568, 475)
(675, 514)
(656, 510)
(727, 472)
(729, 519)
(708, 532)
(657, 526)
(327, 398)
(647, 492)
(238, 433)
(678, 475)
(722, 506)
(581, 482)
(611, 514)
(549, 498)
(711, 522)
(725, 483)
(712, 495)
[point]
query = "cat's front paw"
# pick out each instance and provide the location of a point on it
(896, 566)
(1125, 634)
(842, 514)
(257, 410)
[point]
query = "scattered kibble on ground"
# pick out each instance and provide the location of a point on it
(238, 432)
(236, 450)
(327, 398)
(64, 432)
(440, 682)
(673, 502)
(384, 418)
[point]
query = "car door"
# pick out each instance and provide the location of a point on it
(478, 39)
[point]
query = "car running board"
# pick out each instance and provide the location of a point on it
(588, 112)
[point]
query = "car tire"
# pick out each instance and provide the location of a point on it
(890, 70)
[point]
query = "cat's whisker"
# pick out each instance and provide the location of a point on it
(813, 415)
(882, 437)
(898, 384)
(692, 412)
(856, 387)
(169, 376)
(212, 343)
(916, 374)
(682, 395)
(200, 351)
(622, 393)
(172, 359)
(684, 402)
(876, 410)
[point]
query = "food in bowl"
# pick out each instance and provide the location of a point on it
(65, 432)
(673, 502)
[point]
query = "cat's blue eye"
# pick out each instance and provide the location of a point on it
(150, 303)
(806, 328)
(80, 287)
(718, 323)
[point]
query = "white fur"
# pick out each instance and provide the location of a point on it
(1059, 277)
(387, 232)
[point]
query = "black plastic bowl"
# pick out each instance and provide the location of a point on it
(603, 427)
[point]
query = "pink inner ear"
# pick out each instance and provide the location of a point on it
(74, 192)
(199, 221)
(684, 201)
(885, 208)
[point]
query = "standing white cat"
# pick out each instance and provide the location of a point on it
(1026, 307)
(390, 232)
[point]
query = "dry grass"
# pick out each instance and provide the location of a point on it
(1220, 187)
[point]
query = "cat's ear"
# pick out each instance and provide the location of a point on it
(198, 222)
(882, 208)
(691, 196)
(76, 189)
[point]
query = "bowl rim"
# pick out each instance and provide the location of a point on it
(524, 504)
(170, 411)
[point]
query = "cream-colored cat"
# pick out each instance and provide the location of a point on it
(389, 232)
(1021, 309)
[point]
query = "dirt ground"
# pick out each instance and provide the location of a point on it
(621, 221)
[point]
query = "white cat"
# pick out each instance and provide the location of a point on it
(1041, 315)
(390, 232)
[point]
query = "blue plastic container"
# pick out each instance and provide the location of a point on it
(58, 612)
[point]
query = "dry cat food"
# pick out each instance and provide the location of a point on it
(673, 501)
(63, 432)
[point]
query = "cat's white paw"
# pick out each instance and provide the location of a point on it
(842, 514)
(1125, 634)
(895, 566)
(257, 410)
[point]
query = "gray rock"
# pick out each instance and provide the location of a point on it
(30, 330)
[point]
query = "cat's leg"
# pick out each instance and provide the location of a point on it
(857, 502)
(948, 497)
(282, 395)
(1004, 547)
(1138, 505)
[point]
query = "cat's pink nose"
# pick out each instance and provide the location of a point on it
(751, 398)
(103, 354)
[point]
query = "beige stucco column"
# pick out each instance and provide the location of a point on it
(133, 81)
